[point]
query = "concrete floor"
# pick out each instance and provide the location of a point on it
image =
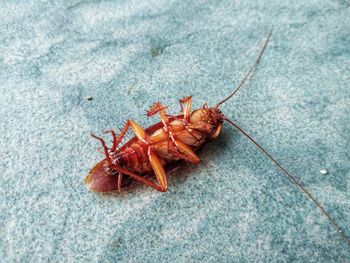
(235, 206)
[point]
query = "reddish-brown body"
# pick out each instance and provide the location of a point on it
(172, 139)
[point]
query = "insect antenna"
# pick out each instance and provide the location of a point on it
(249, 72)
(293, 180)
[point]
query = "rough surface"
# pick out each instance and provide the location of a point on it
(234, 206)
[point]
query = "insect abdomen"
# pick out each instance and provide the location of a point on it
(134, 157)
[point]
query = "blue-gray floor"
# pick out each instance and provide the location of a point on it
(233, 207)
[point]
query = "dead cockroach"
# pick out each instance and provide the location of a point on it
(155, 150)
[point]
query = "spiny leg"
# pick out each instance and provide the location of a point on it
(158, 107)
(115, 139)
(104, 147)
(118, 139)
(138, 178)
(191, 156)
(155, 108)
(158, 169)
(187, 152)
(187, 112)
(187, 109)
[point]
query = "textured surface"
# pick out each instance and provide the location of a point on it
(235, 205)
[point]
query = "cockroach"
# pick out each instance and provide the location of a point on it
(155, 150)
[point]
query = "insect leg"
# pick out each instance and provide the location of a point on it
(115, 139)
(138, 178)
(120, 180)
(104, 147)
(138, 130)
(155, 163)
(185, 152)
(155, 108)
(187, 110)
(153, 158)
(118, 139)
(158, 107)
(158, 169)
(140, 133)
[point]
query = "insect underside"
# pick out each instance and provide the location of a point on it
(174, 138)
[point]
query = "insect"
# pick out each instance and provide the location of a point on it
(157, 150)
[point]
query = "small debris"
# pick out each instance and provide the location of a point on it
(323, 172)
(130, 88)
(157, 46)
(88, 98)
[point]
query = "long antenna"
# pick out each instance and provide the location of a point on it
(249, 72)
(294, 181)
